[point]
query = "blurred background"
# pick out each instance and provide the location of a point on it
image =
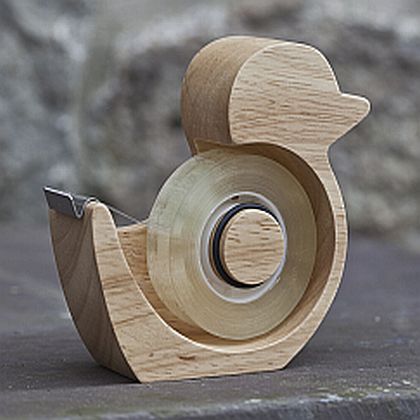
(89, 98)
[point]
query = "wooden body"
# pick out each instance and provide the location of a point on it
(265, 97)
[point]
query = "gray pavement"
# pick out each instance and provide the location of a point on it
(364, 362)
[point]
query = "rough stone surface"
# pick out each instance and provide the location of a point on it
(100, 113)
(364, 362)
(42, 48)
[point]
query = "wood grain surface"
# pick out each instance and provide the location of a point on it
(241, 95)
(252, 246)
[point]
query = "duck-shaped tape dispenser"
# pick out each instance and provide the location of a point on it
(245, 245)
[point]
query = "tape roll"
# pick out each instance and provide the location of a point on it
(181, 226)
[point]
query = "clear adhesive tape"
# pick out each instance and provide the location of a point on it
(179, 223)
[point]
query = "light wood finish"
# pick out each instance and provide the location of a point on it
(252, 246)
(207, 86)
(75, 257)
(267, 98)
(151, 346)
(244, 89)
(133, 240)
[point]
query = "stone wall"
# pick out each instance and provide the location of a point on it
(90, 97)
(42, 49)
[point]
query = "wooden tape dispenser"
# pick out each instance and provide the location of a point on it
(245, 245)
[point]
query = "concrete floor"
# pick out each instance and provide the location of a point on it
(364, 362)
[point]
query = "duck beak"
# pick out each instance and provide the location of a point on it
(354, 109)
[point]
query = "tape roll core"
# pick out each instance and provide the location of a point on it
(216, 244)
